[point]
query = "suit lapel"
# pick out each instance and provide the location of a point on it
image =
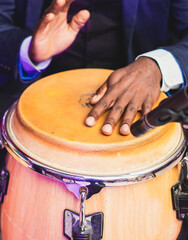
(129, 15)
(33, 12)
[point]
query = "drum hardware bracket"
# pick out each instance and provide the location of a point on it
(81, 227)
(92, 187)
(4, 179)
(180, 193)
(1, 142)
(4, 174)
(71, 220)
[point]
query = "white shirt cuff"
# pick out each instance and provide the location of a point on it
(172, 76)
(28, 66)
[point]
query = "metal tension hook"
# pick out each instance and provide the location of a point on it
(82, 227)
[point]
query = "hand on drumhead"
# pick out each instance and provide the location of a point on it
(53, 34)
(127, 90)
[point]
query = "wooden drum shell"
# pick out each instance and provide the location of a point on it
(34, 205)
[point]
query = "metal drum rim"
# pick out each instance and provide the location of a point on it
(66, 177)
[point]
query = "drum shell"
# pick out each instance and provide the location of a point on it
(34, 205)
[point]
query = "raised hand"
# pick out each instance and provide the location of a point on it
(53, 34)
(127, 90)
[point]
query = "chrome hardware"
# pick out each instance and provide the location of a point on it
(185, 159)
(83, 194)
(4, 178)
(180, 193)
(4, 174)
(1, 140)
(1, 143)
(93, 183)
(81, 227)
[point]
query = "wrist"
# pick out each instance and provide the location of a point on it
(172, 75)
(26, 63)
(32, 55)
(152, 66)
(36, 57)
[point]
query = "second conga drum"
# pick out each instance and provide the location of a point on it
(128, 179)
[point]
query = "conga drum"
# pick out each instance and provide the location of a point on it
(60, 170)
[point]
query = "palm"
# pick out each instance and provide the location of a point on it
(53, 34)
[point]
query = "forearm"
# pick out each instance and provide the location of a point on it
(171, 71)
(10, 41)
(179, 26)
(11, 37)
(29, 70)
(180, 52)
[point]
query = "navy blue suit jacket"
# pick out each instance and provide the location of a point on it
(147, 25)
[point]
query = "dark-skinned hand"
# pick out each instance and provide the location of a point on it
(127, 90)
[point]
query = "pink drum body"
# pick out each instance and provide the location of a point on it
(34, 205)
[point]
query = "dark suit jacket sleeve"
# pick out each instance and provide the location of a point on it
(11, 38)
(179, 16)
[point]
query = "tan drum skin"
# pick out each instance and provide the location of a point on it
(48, 125)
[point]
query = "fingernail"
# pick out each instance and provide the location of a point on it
(107, 129)
(90, 121)
(94, 98)
(125, 130)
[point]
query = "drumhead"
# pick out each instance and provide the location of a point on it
(47, 125)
